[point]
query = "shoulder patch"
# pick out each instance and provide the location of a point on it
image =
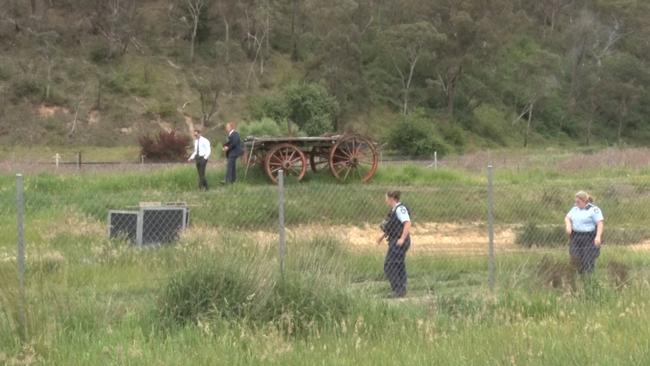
(402, 210)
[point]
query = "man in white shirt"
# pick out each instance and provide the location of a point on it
(200, 155)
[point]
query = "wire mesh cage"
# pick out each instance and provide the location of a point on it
(150, 223)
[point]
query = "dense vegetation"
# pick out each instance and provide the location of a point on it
(469, 73)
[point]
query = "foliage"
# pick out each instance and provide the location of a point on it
(415, 135)
(166, 146)
(267, 127)
(248, 289)
(552, 72)
(307, 105)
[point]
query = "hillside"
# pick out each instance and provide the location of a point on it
(450, 75)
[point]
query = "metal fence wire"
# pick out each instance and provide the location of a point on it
(96, 225)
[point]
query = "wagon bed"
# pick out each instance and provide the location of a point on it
(348, 157)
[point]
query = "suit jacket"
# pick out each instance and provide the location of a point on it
(234, 145)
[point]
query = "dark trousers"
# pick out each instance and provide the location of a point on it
(395, 266)
(584, 251)
(231, 169)
(201, 163)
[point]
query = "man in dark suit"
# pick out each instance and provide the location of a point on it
(233, 150)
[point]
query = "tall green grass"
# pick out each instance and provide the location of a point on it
(217, 297)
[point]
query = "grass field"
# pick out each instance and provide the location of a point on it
(217, 297)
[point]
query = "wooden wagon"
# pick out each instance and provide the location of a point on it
(348, 157)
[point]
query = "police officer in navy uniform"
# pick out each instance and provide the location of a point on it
(233, 150)
(584, 225)
(396, 228)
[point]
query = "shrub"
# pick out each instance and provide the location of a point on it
(416, 136)
(311, 108)
(209, 290)
(548, 236)
(308, 105)
(245, 287)
(273, 107)
(167, 146)
(265, 127)
(29, 89)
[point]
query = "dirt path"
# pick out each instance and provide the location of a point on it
(450, 238)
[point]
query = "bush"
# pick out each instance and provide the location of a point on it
(29, 89)
(245, 287)
(547, 236)
(311, 108)
(209, 290)
(307, 105)
(272, 107)
(416, 136)
(167, 146)
(265, 127)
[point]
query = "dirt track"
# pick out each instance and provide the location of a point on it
(450, 238)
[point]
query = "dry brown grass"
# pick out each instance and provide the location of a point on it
(633, 158)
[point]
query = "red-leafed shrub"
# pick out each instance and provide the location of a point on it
(166, 146)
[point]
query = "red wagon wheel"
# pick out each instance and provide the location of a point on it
(286, 157)
(353, 157)
(318, 158)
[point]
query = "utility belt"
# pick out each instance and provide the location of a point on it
(583, 233)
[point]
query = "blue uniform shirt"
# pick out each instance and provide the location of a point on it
(402, 212)
(584, 220)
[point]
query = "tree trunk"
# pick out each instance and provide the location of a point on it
(575, 69)
(590, 121)
(452, 80)
(621, 119)
(227, 26)
(98, 102)
(294, 37)
(407, 85)
(193, 37)
(528, 123)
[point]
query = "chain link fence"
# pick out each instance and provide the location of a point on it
(449, 220)
(97, 222)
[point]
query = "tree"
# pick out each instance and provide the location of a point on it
(336, 57)
(406, 45)
(117, 22)
(591, 42)
(527, 78)
(191, 15)
(621, 88)
(209, 87)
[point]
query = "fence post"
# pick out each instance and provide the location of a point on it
(79, 160)
(435, 160)
(491, 262)
(281, 220)
(20, 255)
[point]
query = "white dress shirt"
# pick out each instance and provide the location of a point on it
(203, 146)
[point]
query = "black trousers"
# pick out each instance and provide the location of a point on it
(584, 251)
(201, 163)
(231, 169)
(395, 266)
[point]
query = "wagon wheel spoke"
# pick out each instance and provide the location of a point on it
(354, 158)
(286, 157)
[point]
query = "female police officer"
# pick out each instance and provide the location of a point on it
(396, 228)
(584, 225)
